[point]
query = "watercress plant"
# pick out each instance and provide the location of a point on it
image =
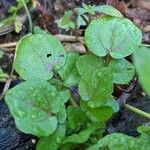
(67, 98)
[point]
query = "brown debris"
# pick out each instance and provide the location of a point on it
(120, 5)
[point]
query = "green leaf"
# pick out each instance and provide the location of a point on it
(98, 114)
(34, 104)
(143, 129)
(79, 11)
(83, 136)
(13, 9)
(53, 141)
(118, 141)
(62, 114)
(65, 95)
(38, 30)
(37, 55)
(108, 10)
(69, 71)
(122, 70)
(113, 104)
(89, 9)
(141, 60)
(118, 37)
(76, 117)
(80, 21)
(102, 113)
(66, 22)
(89, 62)
(96, 87)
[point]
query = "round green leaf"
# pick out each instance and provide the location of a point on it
(141, 60)
(37, 55)
(122, 70)
(89, 62)
(115, 36)
(34, 104)
(73, 120)
(96, 87)
(144, 129)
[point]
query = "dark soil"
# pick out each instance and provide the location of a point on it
(10, 137)
(127, 122)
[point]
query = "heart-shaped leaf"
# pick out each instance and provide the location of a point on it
(115, 36)
(122, 70)
(37, 55)
(34, 104)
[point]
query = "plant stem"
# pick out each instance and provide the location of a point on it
(146, 45)
(137, 111)
(73, 102)
(29, 16)
(108, 58)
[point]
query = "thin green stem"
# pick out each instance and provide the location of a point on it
(137, 111)
(29, 16)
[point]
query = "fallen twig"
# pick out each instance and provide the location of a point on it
(69, 38)
(126, 96)
(75, 47)
(7, 85)
(7, 45)
(61, 37)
